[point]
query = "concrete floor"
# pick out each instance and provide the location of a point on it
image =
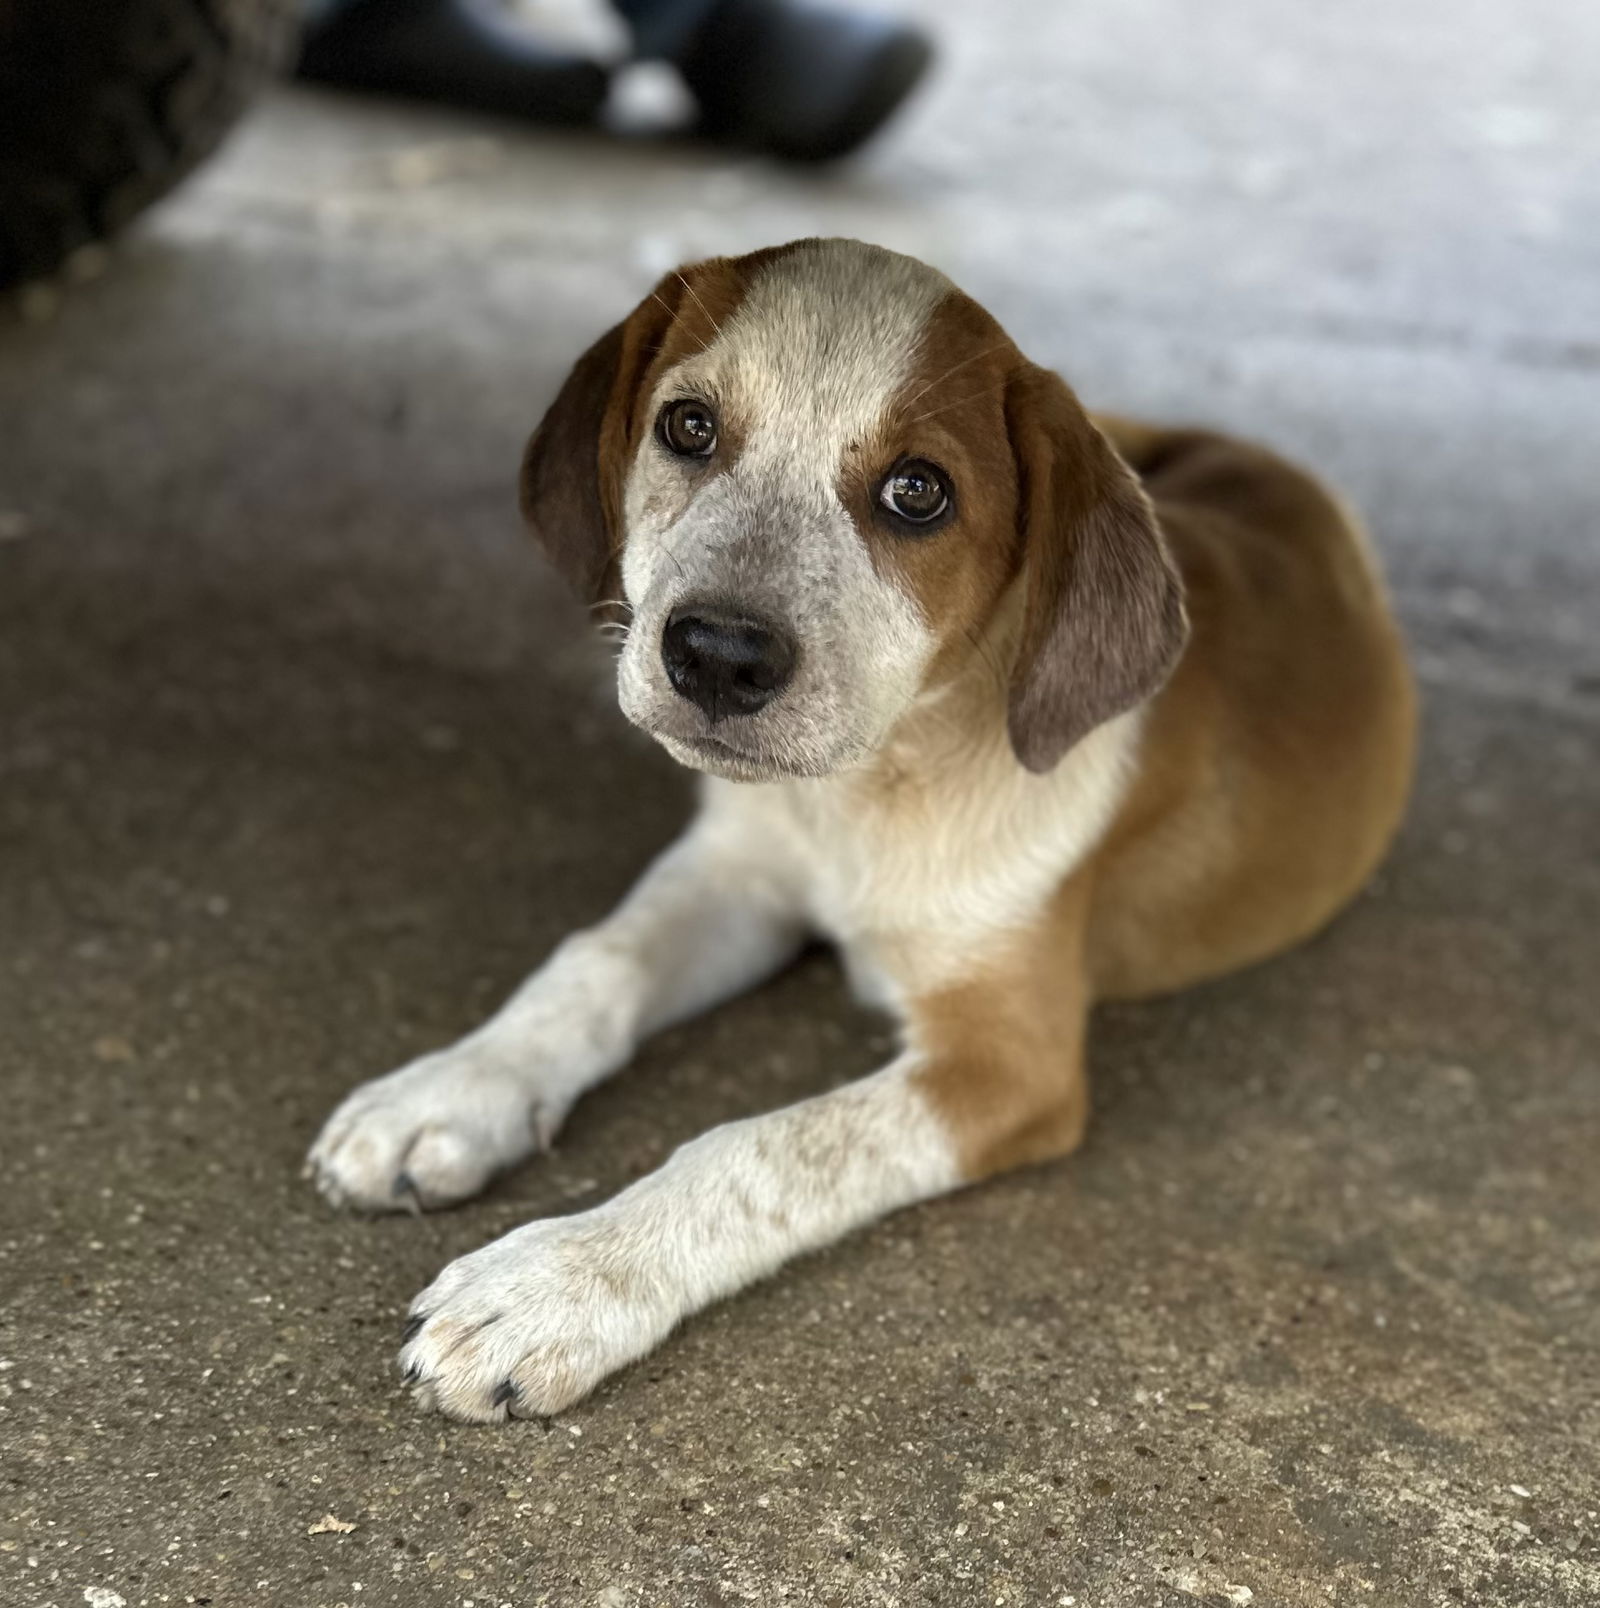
(304, 760)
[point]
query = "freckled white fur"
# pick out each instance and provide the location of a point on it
(916, 852)
(711, 917)
(555, 1306)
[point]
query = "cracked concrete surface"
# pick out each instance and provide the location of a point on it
(304, 760)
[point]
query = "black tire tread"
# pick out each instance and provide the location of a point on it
(106, 104)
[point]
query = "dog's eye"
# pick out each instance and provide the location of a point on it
(915, 492)
(688, 429)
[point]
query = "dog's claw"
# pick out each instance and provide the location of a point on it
(413, 1327)
(505, 1391)
(405, 1188)
(322, 1181)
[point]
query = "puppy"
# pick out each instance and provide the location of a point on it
(1020, 709)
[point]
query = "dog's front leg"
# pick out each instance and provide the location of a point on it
(713, 916)
(991, 1077)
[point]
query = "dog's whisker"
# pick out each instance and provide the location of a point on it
(672, 313)
(716, 328)
(987, 657)
(954, 369)
(959, 402)
(671, 552)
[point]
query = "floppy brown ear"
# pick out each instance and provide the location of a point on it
(1103, 617)
(573, 466)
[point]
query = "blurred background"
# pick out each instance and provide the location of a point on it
(304, 760)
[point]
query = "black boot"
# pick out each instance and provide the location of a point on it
(802, 81)
(465, 52)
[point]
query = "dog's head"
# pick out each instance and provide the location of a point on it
(812, 478)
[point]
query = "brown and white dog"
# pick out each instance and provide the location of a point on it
(1020, 709)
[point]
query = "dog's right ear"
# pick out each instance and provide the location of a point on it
(573, 467)
(1104, 620)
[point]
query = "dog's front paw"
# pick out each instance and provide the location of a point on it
(432, 1133)
(534, 1321)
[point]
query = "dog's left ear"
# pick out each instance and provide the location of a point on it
(573, 466)
(1103, 617)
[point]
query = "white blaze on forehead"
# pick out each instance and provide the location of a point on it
(823, 339)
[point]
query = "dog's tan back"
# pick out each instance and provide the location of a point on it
(1277, 760)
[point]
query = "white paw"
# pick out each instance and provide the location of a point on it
(535, 1320)
(432, 1133)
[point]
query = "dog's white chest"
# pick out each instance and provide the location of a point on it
(912, 881)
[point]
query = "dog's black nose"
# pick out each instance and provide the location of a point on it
(726, 664)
